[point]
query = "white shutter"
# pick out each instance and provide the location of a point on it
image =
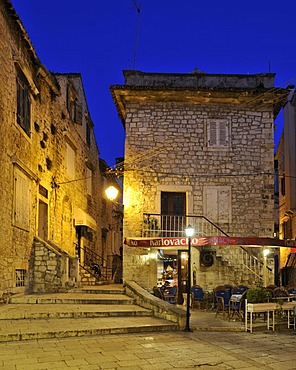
(222, 127)
(70, 161)
(22, 200)
(211, 198)
(89, 181)
(218, 133)
(217, 203)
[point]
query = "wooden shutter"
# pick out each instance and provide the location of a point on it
(22, 200)
(217, 203)
(78, 113)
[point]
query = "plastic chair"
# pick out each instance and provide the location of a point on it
(198, 296)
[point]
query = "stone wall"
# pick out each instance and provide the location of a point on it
(44, 204)
(166, 118)
(50, 269)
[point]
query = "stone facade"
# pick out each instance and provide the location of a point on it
(170, 146)
(51, 178)
(286, 159)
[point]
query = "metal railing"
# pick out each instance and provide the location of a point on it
(90, 258)
(158, 225)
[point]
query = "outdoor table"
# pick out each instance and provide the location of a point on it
(290, 306)
(252, 308)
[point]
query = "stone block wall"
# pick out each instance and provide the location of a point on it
(166, 119)
(49, 269)
(38, 158)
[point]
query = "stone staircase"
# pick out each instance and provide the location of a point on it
(84, 312)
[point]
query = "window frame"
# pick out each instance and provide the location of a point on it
(23, 102)
(215, 130)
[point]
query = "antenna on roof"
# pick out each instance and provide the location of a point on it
(137, 33)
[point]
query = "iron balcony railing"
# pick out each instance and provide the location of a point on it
(157, 225)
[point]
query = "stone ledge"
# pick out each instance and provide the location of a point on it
(160, 308)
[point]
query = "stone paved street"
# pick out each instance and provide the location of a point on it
(204, 350)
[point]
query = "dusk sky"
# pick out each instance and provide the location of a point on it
(97, 39)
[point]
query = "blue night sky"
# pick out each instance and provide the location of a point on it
(97, 39)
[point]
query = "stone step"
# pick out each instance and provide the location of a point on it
(84, 311)
(72, 298)
(17, 330)
(54, 311)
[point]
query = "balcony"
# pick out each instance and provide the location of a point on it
(163, 226)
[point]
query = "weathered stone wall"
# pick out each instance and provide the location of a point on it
(39, 158)
(49, 269)
(166, 147)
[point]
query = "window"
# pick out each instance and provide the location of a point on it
(88, 133)
(89, 181)
(283, 185)
(218, 133)
(73, 106)
(22, 200)
(23, 102)
(287, 229)
(20, 277)
(78, 113)
(70, 161)
(217, 203)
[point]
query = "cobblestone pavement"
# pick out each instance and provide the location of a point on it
(206, 350)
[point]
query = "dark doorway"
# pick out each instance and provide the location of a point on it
(173, 210)
(182, 274)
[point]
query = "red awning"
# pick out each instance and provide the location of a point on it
(212, 240)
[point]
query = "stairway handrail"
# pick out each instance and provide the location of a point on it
(216, 227)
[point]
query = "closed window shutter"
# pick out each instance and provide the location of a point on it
(218, 133)
(217, 203)
(22, 195)
(212, 134)
(223, 137)
(23, 103)
(70, 161)
(78, 113)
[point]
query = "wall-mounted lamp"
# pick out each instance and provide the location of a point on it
(111, 192)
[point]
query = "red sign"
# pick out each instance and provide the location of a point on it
(212, 240)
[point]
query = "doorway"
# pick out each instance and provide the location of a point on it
(43, 220)
(182, 274)
(173, 210)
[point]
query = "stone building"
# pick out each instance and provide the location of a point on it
(51, 179)
(198, 151)
(286, 160)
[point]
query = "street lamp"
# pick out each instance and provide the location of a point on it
(189, 231)
(111, 192)
(265, 254)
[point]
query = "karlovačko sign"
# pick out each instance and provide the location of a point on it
(212, 240)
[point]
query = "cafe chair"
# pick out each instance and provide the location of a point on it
(222, 302)
(158, 292)
(237, 305)
(198, 297)
(171, 294)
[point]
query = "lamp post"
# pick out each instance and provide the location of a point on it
(265, 254)
(189, 232)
